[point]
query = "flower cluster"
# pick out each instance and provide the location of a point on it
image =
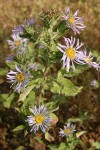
(17, 43)
(19, 77)
(72, 54)
(41, 119)
(71, 49)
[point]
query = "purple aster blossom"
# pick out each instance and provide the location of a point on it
(70, 52)
(68, 130)
(19, 79)
(40, 119)
(10, 58)
(30, 22)
(73, 21)
(17, 42)
(18, 29)
(87, 59)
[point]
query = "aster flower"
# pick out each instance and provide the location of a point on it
(18, 78)
(68, 130)
(30, 22)
(73, 21)
(18, 29)
(10, 58)
(17, 42)
(88, 59)
(70, 52)
(40, 119)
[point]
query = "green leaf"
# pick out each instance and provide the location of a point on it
(59, 98)
(78, 134)
(56, 88)
(19, 128)
(3, 71)
(79, 69)
(64, 86)
(96, 145)
(74, 120)
(20, 148)
(38, 139)
(62, 146)
(51, 106)
(48, 137)
(7, 100)
(95, 53)
(11, 65)
(54, 119)
(53, 147)
(26, 92)
(61, 27)
(18, 109)
(30, 99)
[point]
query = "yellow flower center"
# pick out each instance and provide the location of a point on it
(88, 60)
(39, 119)
(17, 43)
(67, 130)
(70, 52)
(71, 20)
(20, 77)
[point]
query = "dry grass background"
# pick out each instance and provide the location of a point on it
(14, 12)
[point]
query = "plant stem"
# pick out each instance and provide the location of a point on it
(41, 87)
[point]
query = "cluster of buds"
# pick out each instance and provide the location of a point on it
(19, 78)
(40, 118)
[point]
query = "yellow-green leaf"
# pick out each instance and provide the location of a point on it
(48, 137)
(18, 128)
(26, 92)
(78, 134)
